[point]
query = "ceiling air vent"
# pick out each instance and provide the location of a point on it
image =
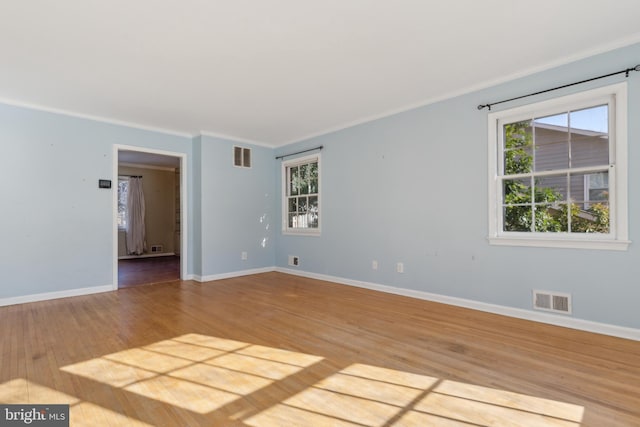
(242, 157)
(552, 301)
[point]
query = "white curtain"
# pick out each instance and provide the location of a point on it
(136, 243)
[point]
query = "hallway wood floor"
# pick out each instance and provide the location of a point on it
(147, 271)
(280, 350)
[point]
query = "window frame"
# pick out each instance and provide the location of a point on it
(286, 164)
(617, 239)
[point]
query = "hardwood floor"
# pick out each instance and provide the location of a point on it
(280, 350)
(147, 271)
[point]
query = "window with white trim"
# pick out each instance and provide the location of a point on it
(558, 174)
(301, 195)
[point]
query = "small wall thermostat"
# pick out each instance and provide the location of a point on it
(104, 183)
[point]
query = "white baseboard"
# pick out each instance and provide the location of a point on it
(233, 274)
(557, 320)
(55, 295)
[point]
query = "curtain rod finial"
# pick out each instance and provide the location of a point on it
(483, 106)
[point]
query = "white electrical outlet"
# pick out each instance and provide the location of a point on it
(244, 256)
(400, 267)
(294, 260)
(374, 264)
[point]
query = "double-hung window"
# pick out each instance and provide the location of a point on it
(558, 172)
(301, 195)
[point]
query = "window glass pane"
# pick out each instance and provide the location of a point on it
(304, 179)
(590, 188)
(587, 188)
(303, 206)
(516, 191)
(313, 178)
(592, 220)
(577, 189)
(551, 188)
(551, 143)
(590, 137)
(293, 220)
(312, 220)
(517, 218)
(589, 215)
(518, 147)
(598, 186)
(313, 211)
(313, 203)
(293, 204)
(550, 218)
(294, 181)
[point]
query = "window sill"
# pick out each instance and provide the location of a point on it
(609, 245)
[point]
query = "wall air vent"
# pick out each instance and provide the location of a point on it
(242, 157)
(552, 301)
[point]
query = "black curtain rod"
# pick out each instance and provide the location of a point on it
(130, 176)
(300, 152)
(625, 71)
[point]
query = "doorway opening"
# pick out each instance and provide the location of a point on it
(150, 211)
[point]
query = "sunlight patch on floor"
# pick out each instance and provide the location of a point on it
(529, 404)
(202, 374)
(184, 394)
(491, 407)
(194, 372)
(106, 371)
(370, 396)
(251, 365)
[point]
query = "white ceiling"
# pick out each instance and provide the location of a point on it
(278, 71)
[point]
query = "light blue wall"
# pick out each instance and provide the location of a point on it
(236, 208)
(410, 187)
(56, 226)
(413, 188)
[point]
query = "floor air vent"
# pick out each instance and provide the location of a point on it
(552, 301)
